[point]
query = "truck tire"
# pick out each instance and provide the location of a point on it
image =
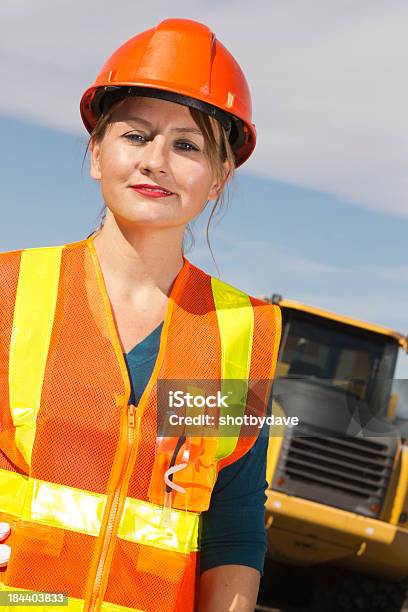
(358, 593)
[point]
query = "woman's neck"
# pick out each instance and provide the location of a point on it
(139, 258)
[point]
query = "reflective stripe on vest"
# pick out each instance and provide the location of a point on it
(65, 507)
(34, 312)
(235, 317)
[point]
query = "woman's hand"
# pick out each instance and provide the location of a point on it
(5, 549)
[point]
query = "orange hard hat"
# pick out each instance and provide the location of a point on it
(182, 61)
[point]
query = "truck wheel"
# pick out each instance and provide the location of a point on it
(358, 593)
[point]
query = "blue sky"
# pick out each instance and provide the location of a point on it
(320, 211)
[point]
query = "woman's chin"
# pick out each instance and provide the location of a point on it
(146, 222)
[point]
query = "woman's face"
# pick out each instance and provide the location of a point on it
(152, 166)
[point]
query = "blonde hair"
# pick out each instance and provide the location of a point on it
(216, 148)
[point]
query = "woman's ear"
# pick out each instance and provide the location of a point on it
(218, 185)
(95, 167)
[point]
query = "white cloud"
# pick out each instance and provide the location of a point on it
(328, 80)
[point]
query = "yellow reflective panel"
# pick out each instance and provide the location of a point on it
(30, 338)
(60, 506)
(236, 321)
(56, 505)
(235, 317)
(51, 504)
(153, 525)
(12, 492)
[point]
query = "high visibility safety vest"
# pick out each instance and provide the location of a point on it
(101, 507)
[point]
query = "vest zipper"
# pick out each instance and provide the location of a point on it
(110, 526)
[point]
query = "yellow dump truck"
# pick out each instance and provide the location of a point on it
(337, 507)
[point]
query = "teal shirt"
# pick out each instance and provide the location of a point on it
(232, 529)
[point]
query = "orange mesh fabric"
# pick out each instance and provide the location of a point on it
(10, 457)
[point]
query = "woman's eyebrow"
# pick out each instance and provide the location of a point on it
(138, 120)
(191, 130)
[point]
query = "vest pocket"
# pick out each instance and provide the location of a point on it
(49, 559)
(33, 546)
(41, 539)
(152, 561)
(184, 474)
(150, 578)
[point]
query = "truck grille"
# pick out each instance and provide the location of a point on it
(350, 473)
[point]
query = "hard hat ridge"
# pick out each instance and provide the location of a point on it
(181, 61)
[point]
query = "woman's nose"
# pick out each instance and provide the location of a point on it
(154, 158)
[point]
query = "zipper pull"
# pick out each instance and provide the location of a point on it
(131, 415)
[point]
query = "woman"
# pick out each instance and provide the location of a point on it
(104, 501)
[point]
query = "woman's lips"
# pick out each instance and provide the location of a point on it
(152, 191)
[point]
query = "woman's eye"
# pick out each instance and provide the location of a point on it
(180, 144)
(186, 146)
(135, 138)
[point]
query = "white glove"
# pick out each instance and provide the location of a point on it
(5, 549)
